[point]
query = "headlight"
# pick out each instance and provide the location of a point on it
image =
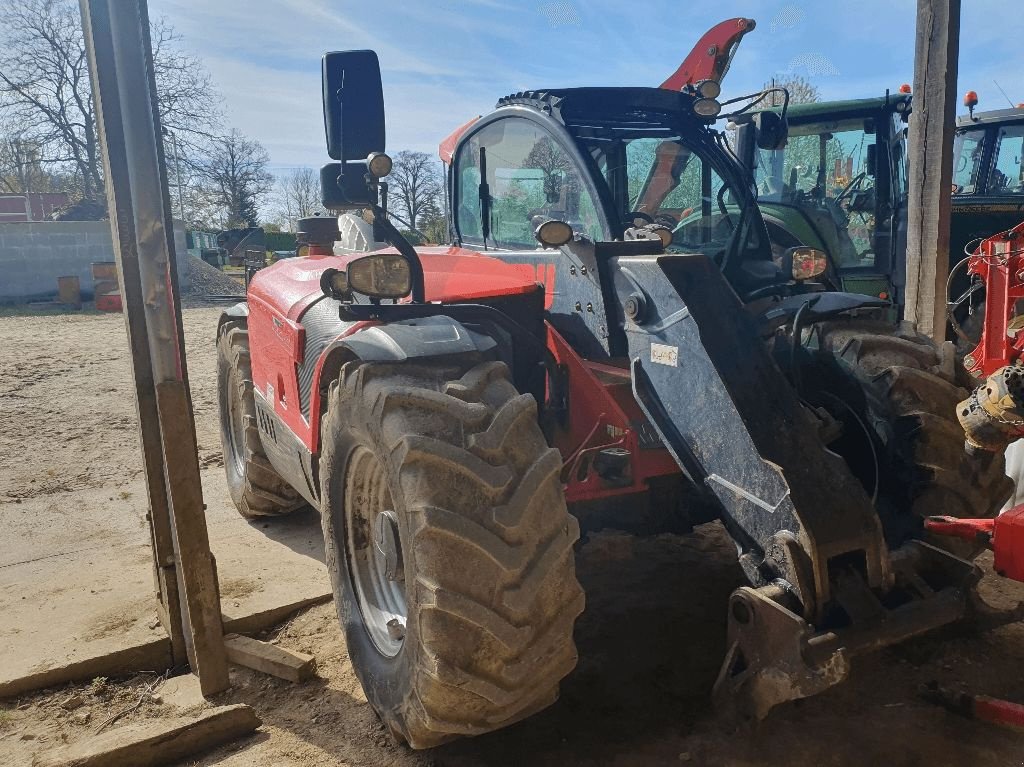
(709, 89)
(379, 164)
(384, 275)
(553, 233)
(334, 283)
(707, 107)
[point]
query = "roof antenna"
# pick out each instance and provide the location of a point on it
(1004, 94)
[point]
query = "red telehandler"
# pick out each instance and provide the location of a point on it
(458, 415)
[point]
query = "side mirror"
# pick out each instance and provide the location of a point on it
(871, 160)
(353, 104)
(804, 263)
(772, 130)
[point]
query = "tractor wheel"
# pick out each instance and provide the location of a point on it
(898, 386)
(256, 488)
(449, 546)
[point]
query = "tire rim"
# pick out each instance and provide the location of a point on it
(373, 550)
(236, 425)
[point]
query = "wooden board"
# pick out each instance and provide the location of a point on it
(157, 742)
(270, 659)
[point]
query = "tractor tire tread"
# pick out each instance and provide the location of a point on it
(491, 538)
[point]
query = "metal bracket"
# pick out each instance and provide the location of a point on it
(770, 657)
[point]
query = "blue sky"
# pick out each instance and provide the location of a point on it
(448, 60)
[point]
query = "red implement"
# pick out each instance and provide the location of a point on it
(999, 262)
(1004, 535)
(980, 707)
(712, 55)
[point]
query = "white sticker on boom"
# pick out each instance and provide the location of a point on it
(270, 393)
(665, 355)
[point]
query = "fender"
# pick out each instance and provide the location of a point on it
(821, 306)
(424, 338)
(239, 311)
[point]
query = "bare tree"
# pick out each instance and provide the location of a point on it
(236, 171)
(45, 88)
(21, 168)
(415, 181)
(297, 196)
(801, 90)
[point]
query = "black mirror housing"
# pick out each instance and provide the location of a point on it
(871, 160)
(353, 104)
(772, 130)
(343, 186)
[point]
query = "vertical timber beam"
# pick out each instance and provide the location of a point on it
(124, 91)
(930, 164)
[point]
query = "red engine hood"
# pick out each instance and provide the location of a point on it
(449, 274)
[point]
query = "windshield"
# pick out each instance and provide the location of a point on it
(823, 169)
(670, 182)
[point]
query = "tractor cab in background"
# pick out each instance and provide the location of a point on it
(988, 174)
(839, 184)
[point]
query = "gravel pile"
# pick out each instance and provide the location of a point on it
(205, 280)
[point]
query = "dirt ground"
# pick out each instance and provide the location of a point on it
(650, 640)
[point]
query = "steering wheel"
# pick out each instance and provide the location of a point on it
(633, 215)
(853, 186)
(777, 289)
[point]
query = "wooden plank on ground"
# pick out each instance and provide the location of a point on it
(157, 742)
(270, 659)
(153, 655)
(255, 622)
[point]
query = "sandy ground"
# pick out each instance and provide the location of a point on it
(650, 640)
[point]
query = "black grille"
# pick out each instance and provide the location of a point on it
(322, 325)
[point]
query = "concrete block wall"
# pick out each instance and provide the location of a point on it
(33, 255)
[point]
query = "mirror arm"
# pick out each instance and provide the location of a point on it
(394, 238)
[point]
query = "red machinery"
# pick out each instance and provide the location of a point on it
(712, 55)
(999, 263)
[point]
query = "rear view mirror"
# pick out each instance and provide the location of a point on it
(803, 263)
(871, 160)
(353, 104)
(772, 130)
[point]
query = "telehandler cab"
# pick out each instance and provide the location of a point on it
(609, 342)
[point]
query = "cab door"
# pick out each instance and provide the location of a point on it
(509, 174)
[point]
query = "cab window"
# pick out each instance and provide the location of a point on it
(1007, 172)
(669, 182)
(968, 148)
(530, 176)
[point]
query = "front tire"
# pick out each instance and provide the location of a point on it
(449, 546)
(906, 393)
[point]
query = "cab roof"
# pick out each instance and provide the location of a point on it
(610, 107)
(814, 110)
(988, 118)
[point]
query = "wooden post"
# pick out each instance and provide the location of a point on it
(124, 92)
(930, 164)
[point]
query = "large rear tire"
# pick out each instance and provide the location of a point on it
(906, 393)
(255, 486)
(449, 546)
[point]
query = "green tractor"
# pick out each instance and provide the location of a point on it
(840, 185)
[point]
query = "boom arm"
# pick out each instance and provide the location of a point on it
(712, 55)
